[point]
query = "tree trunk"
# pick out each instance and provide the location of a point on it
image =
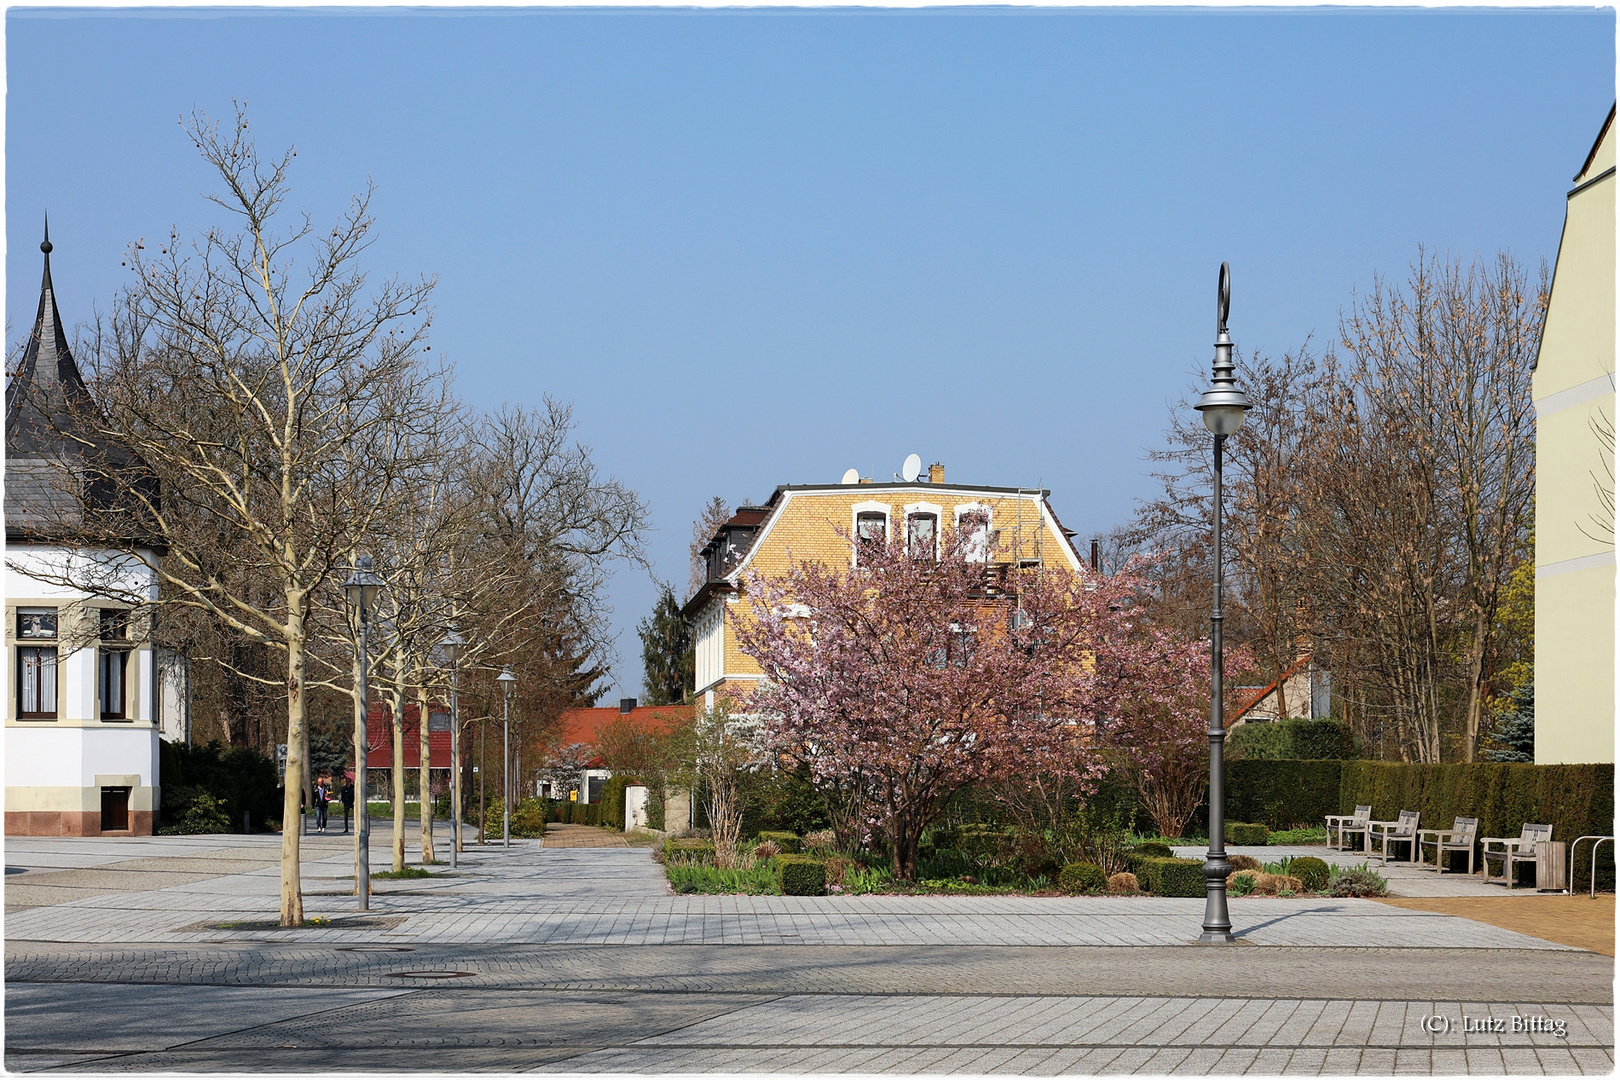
(397, 773)
(425, 784)
(292, 814)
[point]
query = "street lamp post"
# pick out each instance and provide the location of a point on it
(363, 589)
(451, 646)
(1222, 406)
(507, 680)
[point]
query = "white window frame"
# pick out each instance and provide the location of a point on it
(710, 647)
(939, 522)
(855, 513)
(979, 552)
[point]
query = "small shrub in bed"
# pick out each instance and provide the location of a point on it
(1082, 877)
(1123, 884)
(1310, 870)
(1244, 862)
(1171, 877)
(801, 875)
(1357, 881)
(1246, 835)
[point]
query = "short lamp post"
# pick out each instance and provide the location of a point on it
(507, 681)
(451, 648)
(1222, 406)
(363, 590)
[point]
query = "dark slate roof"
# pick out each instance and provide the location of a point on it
(46, 395)
(51, 430)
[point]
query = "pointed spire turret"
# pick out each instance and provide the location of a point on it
(48, 386)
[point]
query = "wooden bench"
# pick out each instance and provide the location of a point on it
(1403, 830)
(1340, 824)
(1460, 837)
(1510, 852)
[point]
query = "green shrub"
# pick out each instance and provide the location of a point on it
(801, 875)
(1082, 877)
(1356, 881)
(1154, 850)
(1244, 834)
(786, 841)
(1317, 835)
(1171, 877)
(1300, 740)
(236, 779)
(655, 806)
(689, 848)
(1310, 870)
(528, 819)
(203, 813)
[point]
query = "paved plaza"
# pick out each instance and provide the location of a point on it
(160, 954)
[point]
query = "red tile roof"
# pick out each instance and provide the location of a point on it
(579, 726)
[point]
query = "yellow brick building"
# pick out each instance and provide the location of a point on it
(802, 522)
(1573, 390)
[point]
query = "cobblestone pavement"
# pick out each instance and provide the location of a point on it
(578, 960)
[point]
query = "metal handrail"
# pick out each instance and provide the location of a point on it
(1596, 840)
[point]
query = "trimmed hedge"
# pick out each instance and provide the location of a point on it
(612, 801)
(689, 847)
(1284, 794)
(1578, 800)
(1246, 835)
(801, 875)
(1300, 740)
(1170, 877)
(786, 842)
(1154, 849)
(1082, 877)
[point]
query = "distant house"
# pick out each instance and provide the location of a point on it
(380, 745)
(81, 743)
(577, 764)
(1573, 391)
(1301, 691)
(802, 522)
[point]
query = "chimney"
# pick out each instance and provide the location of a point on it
(936, 473)
(1095, 561)
(626, 704)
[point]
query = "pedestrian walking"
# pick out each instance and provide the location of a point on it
(323, 795)
(348, 801)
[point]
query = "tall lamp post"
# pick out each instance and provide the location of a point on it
(507, 681)
(1222, 406)
(363, 590)
(451, 647)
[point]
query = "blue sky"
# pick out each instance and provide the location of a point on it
(761, 247)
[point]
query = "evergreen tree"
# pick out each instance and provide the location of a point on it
(1515, 733)
(668, 658)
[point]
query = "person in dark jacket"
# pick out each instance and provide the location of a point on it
(348, 801)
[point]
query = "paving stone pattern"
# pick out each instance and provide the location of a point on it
(578, 960)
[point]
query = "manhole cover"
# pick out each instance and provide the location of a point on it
(374, 948)
(430, 974)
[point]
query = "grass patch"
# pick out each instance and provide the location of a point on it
(642, 838)
(408, 872)
(1298, 836)
(700, 878)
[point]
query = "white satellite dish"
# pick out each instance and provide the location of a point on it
(910, 470)
(851, 476)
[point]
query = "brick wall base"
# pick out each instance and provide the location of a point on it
(71, 823)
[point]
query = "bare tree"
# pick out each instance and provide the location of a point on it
(715, 514)
(250, 388)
